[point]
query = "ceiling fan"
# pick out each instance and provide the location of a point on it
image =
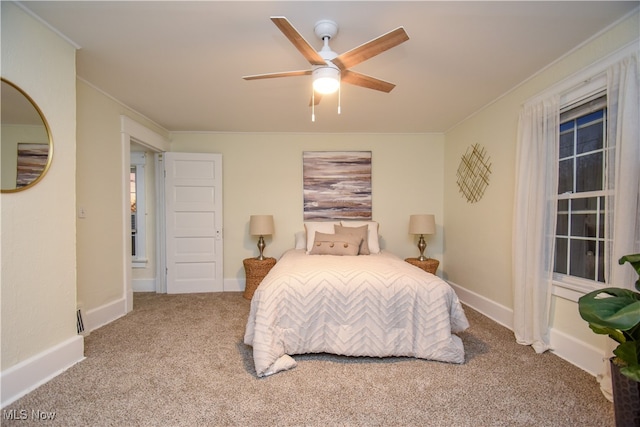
(330, 69)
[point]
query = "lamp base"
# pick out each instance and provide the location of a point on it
(261, 246)
(422, 245)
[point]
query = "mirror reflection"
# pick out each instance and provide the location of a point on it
(25, 141)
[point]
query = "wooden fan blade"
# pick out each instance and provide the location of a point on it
(274, 75)
(298, 41)
(363, 80)
(315, 99)
(371, 48)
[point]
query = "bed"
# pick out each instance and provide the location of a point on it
(315, 300)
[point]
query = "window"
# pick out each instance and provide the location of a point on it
(591, 222)
(138, 209)
(580, 227)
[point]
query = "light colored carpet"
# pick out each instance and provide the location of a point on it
(179, 360)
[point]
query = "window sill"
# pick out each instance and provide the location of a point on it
(572, 288)
(562, 291)
(139, 263)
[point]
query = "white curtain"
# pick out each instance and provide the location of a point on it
(623, 174)
(622, 228)
(535, 220)
(535, 203)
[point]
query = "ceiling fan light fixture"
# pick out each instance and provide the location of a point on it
(326, 80)
(328, 67)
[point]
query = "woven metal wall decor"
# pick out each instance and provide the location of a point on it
(473, 173)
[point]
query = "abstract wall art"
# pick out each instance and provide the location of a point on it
(337, 185)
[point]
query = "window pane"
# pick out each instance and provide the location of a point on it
(567, 126)
(561, 256)
(601, 227)
(589, 204)
(602, 209)
(583, 216)
(132, 191)
(589, 138)
(583, 258)
(601, 262)
(565, 176)
(592, 117)
(589, 172)
(562, 223)
(583, 225)
(562, 227)
(566, 144)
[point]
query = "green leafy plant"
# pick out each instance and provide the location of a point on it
(616, 312)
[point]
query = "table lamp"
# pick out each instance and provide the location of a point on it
(422, 224)
(261, 225)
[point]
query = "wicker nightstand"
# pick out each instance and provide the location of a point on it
(255, 270)
(430, 265)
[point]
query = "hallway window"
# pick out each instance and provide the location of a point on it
(138, 209)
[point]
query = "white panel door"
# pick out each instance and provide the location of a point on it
(193, 200)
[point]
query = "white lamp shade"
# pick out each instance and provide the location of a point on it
(261, 225)
(422, 224)
(326, 80)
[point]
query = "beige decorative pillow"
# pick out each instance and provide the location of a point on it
(359, 232)
(335, 244)
(320, 226)
(373, 239)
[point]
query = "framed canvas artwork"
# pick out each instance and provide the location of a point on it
(32, 160)
(337, 185)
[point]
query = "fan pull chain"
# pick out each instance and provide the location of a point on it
(313, 105)
(339, 97)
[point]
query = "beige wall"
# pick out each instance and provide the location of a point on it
(100, 235)
(38, 283)
(478, 236)
(262, 174)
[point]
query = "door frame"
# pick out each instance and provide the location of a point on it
(161, 253)
(132, 130)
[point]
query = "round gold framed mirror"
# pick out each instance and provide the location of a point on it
(25, 140)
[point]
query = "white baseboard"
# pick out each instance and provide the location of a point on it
(31, 373)
(143, 285)
(576, 352)
(101, 316)
(494, 311)
(233, 285)
(567, 347)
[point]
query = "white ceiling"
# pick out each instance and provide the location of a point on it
(180, 63)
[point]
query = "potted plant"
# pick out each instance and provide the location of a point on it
(616, 312)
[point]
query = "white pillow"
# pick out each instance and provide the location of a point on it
(373, 238)
(321, 226)
(301, 240)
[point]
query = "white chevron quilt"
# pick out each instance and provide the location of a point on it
(372, 305)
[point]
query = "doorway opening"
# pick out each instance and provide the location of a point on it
(136, 138)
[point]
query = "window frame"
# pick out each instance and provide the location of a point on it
(564, 285)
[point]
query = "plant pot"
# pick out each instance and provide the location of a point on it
(626, 398)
